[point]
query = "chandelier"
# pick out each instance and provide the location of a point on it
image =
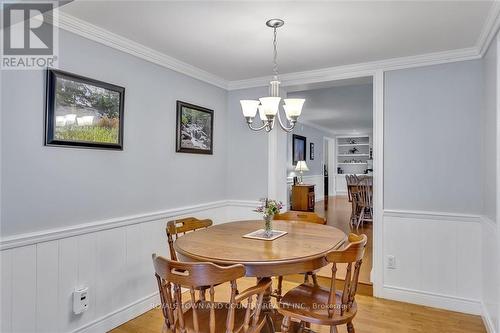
(268, 107)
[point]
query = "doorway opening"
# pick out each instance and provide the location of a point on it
(337, 125)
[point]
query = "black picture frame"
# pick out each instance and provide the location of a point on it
(52, 75)
(299, 148)
(180, 142)
(311, 151)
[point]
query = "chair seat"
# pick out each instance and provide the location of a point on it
(309, 303)
(203, 313)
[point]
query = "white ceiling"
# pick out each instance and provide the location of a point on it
(230, 39)
(345, 108)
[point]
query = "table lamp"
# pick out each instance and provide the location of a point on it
(301, 167)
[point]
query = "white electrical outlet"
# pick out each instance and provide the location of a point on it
(80, 300)
(391, 262)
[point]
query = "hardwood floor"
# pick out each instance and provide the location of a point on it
(374, 316)
(337, 211)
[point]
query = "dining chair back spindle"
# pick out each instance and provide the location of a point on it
(176, 228)
(241, 314)
(313, 304)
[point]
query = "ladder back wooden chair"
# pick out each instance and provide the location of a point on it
(294, 215)
(300, 216)
(313, 304)
(240, 315)
(180, 227)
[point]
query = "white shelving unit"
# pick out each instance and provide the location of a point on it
(352, 152)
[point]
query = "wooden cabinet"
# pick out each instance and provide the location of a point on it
(303, 197)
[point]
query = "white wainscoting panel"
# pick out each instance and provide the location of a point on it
(23, 289)
(40, 271)
(47, 291)
(6, 291)
(437, 259)
(491, 276)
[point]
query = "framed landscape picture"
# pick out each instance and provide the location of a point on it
(195, 126)
(298, 148)
(83, 112)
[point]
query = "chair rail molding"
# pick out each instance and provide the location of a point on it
(118, 222)
(65, 232)
(441, 216)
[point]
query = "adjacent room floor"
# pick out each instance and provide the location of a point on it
(374, 316)
(337, 211)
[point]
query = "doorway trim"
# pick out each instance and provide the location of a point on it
(276, 162)
(331, 164)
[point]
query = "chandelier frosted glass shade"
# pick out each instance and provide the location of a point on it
(270, 105)
(249, 107)
(293, 107)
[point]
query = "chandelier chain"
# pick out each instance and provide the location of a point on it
(275, 55)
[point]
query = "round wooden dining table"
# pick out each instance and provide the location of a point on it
(301, 250)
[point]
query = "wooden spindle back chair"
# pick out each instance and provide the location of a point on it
(351, 180)
(180, 227)
(352, 192)
(365, 201)
(314, 304)
(198, 315)
(294, 215)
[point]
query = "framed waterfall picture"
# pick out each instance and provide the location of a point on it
(83, 112)
(195, 129)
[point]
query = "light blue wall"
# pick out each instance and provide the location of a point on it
(48, 187)
(489, 129)
(432, 144)
(247, 150)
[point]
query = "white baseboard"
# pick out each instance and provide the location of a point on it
(488, 322)
(432, 299)
(120, 316)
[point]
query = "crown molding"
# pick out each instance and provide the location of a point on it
(490, 28)
(108, 38)
(361, 69)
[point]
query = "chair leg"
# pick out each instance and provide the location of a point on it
(279, 290)
(361, 219)
(285, 324)
(350, 327)
(333, 329)
(165, 329)
(314, 278)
